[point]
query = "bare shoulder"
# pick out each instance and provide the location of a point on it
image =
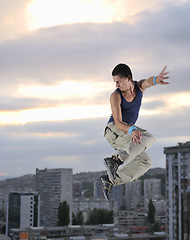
(115, 97)
(115, 93)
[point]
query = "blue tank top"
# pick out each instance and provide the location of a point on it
(130, 110)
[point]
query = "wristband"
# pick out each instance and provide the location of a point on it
(154, 80)
(131, 129)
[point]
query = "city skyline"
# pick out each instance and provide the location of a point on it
(56, 79)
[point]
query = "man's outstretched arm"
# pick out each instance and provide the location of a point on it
(152, 81)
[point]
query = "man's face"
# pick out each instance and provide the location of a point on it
(121, 82)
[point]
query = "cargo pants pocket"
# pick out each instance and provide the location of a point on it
(111, 137)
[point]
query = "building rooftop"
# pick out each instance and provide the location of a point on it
(24, 192)
(181, 147)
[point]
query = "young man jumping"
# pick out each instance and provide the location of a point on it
(130, 161)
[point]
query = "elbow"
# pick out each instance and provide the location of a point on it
(118, 125)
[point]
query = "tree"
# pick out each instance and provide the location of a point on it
(88, 189)
(77, 219)
(151, 212)
(63, 214)
(155, 227)
(3, 229)
(80, 218)
(100, 216)
(74, 219)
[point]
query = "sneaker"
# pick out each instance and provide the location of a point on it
(106, 186)
(112, 166)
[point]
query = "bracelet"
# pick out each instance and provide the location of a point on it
(131, 129)
(154, 80)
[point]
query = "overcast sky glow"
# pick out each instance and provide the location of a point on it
(56, 59)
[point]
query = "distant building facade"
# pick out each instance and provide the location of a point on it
(62, 233)
(131, 218)
(178, 190)
(77, 189)
(117, 193)
(23, 210)
(3, 206)
(87, 205)
(98, 190)
(54, 187)
(161, 209)
(152, 190)
(133, 194)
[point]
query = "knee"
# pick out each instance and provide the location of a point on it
(145, 160)
(150, 139)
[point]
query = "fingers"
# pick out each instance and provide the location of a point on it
(135, 140)
(164, 69)
(165, 73)
(163, 76)
(136, 136)
(164, 83)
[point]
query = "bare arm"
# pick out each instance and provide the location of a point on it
(115, 101)
(144, 84)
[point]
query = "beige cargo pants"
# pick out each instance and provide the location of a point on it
(135, 160)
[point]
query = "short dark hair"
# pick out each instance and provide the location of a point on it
(122, 70)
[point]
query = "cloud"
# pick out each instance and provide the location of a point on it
(90, 51)
(153, 104)
(80, 144)
(14, 104)
(168, 129)
(21, 147)
(128, 10)
(3, 174)
(52, 54)
(13, 18)
(86, 53)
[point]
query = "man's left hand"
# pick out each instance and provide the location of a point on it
(162, 76)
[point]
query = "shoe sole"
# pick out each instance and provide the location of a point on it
(109, 173)
(103, 190)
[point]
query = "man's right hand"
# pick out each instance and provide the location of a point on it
(136, 136)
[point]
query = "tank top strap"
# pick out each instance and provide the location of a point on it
(136, 86)
(119, 91)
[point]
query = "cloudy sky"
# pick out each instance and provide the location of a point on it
(56, 59)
